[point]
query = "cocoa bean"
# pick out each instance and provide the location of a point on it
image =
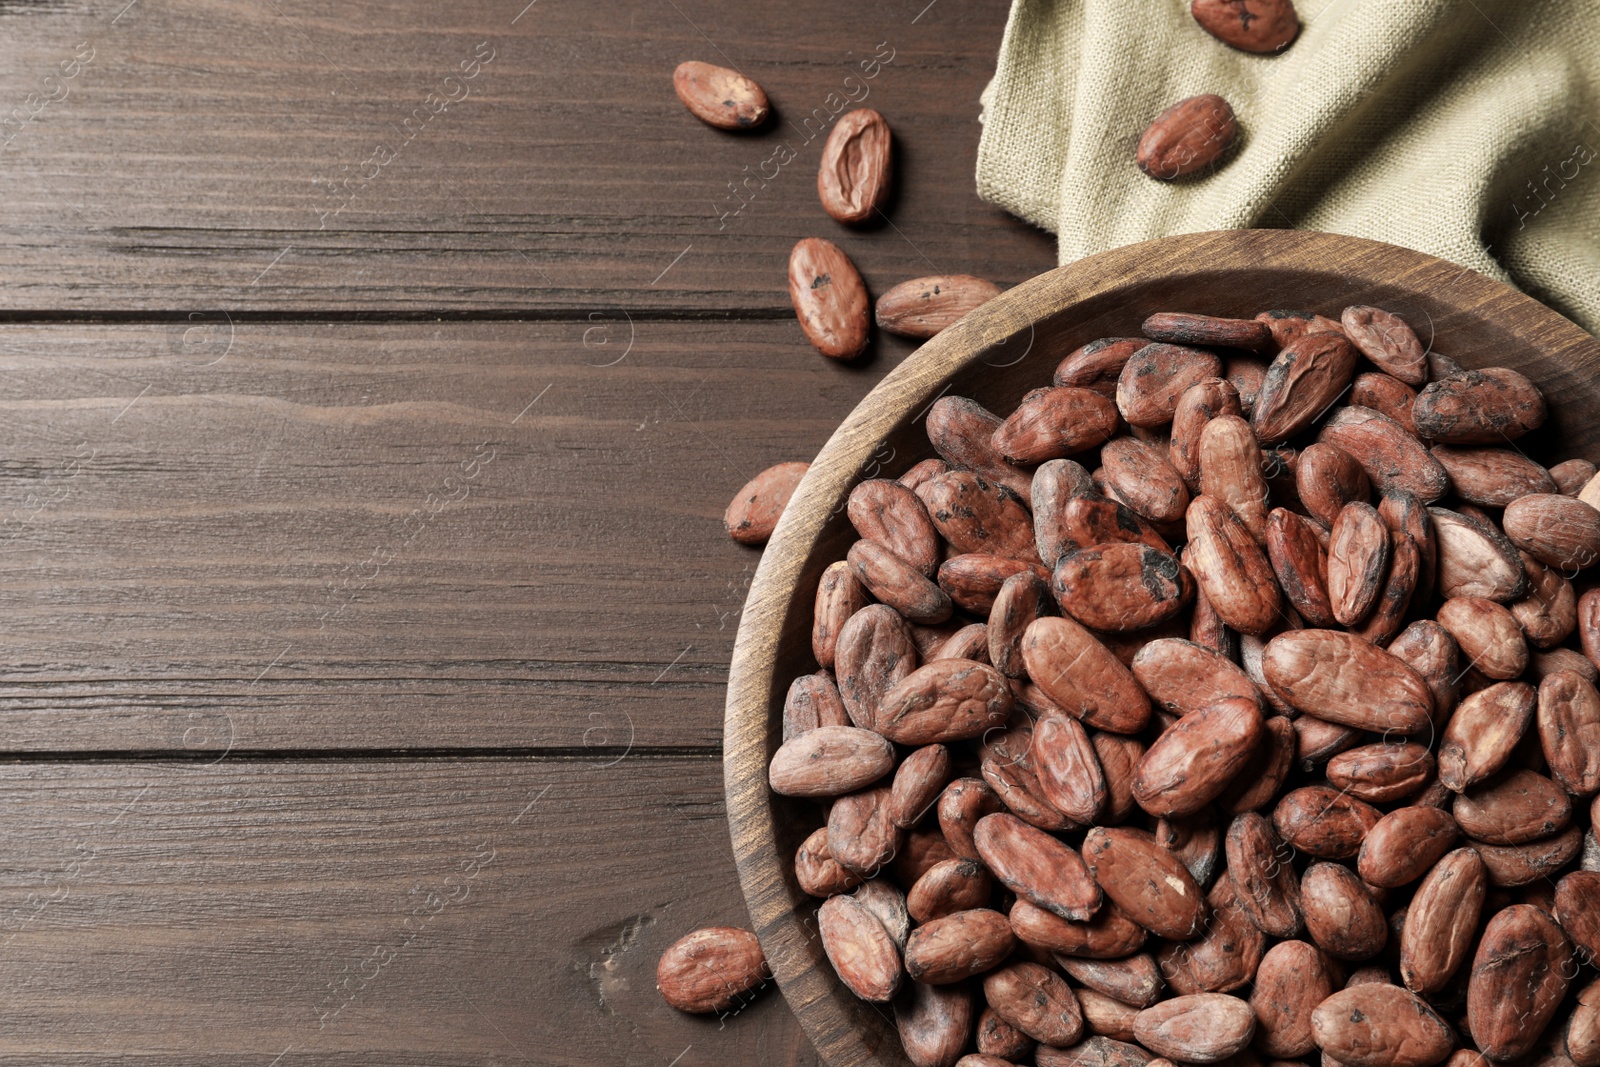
(1151, 886)
(720, 97)
(1187, 137)
(710, 969)
(1098, 364)
(1479, 407)
(1037, 867)
(1404, 845)
(1384, 338)
(1055, 423)
(829, 297)
(862, 952)
(755, 509)
(1519, 976)
(1323, 822)
(1378, 1025)
(1155, 377)
(957, 946)
(1305, 379)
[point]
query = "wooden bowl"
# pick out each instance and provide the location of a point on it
(995, 355)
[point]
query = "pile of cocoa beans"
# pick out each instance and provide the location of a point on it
(1230, 700)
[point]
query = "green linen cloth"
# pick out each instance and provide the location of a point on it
(1462, 128)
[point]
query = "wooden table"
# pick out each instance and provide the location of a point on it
(373, 384)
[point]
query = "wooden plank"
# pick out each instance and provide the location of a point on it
(201, 154)
(385, 536)
(365, 912)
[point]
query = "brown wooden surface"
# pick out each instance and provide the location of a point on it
(993, 356)
(277, 663)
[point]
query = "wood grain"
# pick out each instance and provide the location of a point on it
(442, 912)
(272, 156)
(279, 537)
(995, 355)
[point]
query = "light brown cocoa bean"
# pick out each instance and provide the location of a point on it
(1404, 845)
(754, 511)
(1475, 559)
(964, 802)
(720, 97)
(1182, 328)
(817, 872)
(1022, 599)
(1492, 477)
(1344, 679)
(1519, 977)
(1203, 401)
(1488, 634)
(949, 886)
(1323, 822)
(998, 1041)
(1569, 731)
(1037, 867)
(935, 1023)
(1326, 479)
(1231, 471)
(1294, 977)
(829, 761)
(1577, 909)
(1189, 765)
(812, 701)
(862, 952)
(962, 431)
(969, 642)
(1358, 559)
(862, 835)
(1182, 677)
(829, 297)
(1207, 629)
(1117, 756)
(1187, 137)
(958, 946)
(921, 472)
(1317, 740)
(1135, 980)
(977, 516)
(1148, 883)
(1098, 364)
(1442, 920)
(1382, 773)
(1287, 326)
(839, 596)
(1111, 934)
(1265, 884)
(1341, 915)
(1199, 1028)
(1517, 808)
(1139, 475)
(1095, 1052)
(854, 175)
(1055, 484)
(892, 515)
(1120, 586)
(710, 969)
(1196, 840)
(1426, 648)
(899, 585)
(1549, 613)
(1304, 380)
(874, 651)
(1407, 518)
(1555, 530)
(1515, 865)
(922, 850)
(1542, 665)
(1087, 521)
(1387, 395)
(1571, 475)
(1582, 1038)
(1385, 339)
(1486, 406)
(1055, 423)
(1017, 785)
(918, 781)
(1069, 771)
(1108, 1017)
(1300, 565)
(1036, 1001)
(1082, 676)
(973, 579)
(1379, 1025)
(1245, 373)
(946, 700)
(1482, 734)
(1155, 377)
(1258, 783)
(1230, 568)
(1392, 457)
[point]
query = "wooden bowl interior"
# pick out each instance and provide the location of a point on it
(997, 355)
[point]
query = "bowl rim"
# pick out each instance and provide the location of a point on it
(914, 385)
